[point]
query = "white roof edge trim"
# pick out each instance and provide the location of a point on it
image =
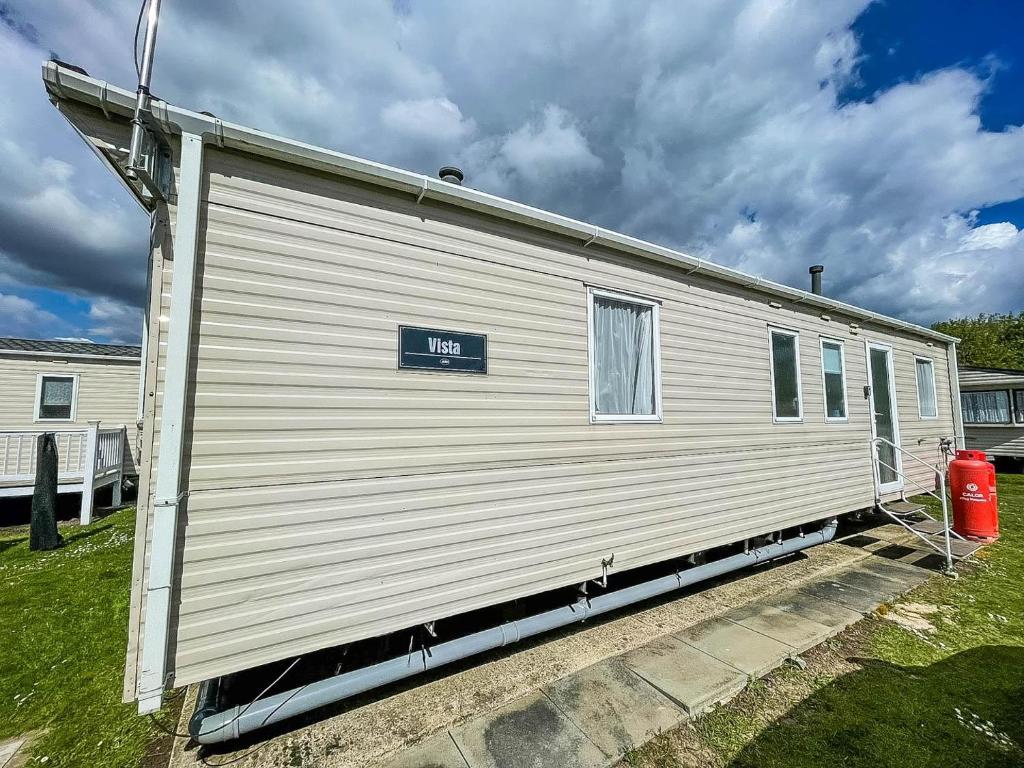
(64, 83)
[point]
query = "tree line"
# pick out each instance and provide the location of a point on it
(988, 341)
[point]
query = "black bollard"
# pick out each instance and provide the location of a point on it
(43, 534)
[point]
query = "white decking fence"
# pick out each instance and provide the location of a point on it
(87, 459)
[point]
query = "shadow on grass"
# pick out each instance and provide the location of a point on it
(70, 533)
(967, 710)
(6, 544)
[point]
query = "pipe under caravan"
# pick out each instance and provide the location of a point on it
(208, 726)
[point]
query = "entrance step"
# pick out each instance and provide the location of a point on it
(903, 508)
(929, 527)
(962, 549)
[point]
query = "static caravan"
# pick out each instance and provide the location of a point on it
(993, 411)
(376, 400)
(88, 394)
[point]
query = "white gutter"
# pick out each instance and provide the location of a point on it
(64, 83)
(168, 492)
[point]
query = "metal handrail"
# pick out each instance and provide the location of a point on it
(923, 489)
(875, 443)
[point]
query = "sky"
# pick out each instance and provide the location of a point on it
(882, 139)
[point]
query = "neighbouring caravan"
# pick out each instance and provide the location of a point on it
(993, 411)
(375, 400)
(88, 395)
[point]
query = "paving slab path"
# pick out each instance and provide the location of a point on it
(585, 696)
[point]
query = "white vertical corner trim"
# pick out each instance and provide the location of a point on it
(168, 492)
(655, 307)
(92, 442)
(141, 397)
(772, 330)
(954, 393)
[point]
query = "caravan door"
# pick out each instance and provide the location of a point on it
(885, 420)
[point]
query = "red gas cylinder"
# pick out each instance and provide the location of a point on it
(972, 484)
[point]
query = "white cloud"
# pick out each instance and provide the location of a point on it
(115, 322)
(549, 148)
(716, 128)
(430, 121)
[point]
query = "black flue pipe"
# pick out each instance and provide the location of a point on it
(816, 271)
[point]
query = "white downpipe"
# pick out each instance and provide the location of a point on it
(954, 384)
(168, 491)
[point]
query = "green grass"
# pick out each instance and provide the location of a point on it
(63, 620)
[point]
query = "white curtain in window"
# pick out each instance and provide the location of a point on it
(986, 407)
(926, 388)
(623, 358)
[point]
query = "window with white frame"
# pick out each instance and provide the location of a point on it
(833, 374)
(784, 349)
(55, 398)
(625, 370)
(1018, 405)
(927, 403)
(988, 407)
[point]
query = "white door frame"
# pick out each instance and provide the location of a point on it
(897, 484)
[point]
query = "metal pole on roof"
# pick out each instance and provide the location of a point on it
(142, 94)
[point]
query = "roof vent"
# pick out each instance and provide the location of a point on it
(451, 174)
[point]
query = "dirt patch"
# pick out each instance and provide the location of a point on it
(913, 617)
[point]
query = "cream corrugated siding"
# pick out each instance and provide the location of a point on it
(108, 391)
(332, 497)
(997, 441)
(984, 378)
